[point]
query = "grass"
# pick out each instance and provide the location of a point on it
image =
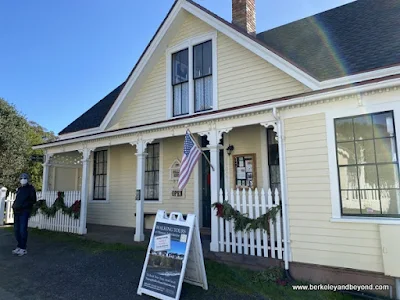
(262, 283)
(219, 276)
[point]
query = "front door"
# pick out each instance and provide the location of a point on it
(205, 195)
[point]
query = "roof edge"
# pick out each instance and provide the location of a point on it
(377, 81)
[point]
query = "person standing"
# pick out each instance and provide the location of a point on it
(22, 207)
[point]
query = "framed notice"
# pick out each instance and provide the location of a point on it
(174, 255)
(241, 173)
(244, 166)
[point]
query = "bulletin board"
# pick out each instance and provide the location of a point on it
(244, 166)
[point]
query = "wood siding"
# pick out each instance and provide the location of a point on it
(173, 149)
(120, 209)
(65, 179)
(314, 239)
(246, 140)
(243, 78)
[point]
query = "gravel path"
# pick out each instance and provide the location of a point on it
(58, 270)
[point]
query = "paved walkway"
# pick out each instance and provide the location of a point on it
(59, 270)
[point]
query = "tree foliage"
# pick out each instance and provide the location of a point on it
(17, 136)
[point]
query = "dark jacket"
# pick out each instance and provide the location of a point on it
(25, 199)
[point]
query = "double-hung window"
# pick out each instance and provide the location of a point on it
(192, 86)
(152, 171)
(180, 82)
(367, 162)
(202, 76)
(100, 175)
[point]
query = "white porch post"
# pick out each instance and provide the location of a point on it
(278, 128)
(140, 174)
(214, 136)
(46, 165)
(3, 192)
(84, 192)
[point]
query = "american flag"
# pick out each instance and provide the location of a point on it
(191, 154)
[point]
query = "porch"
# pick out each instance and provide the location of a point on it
(126, 179)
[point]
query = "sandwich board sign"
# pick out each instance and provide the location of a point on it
(174, 255)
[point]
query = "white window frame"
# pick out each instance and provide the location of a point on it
(189, 44)
(160, 176)
(367, 108)
(91, 181)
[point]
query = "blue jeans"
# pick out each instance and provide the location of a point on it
(21, 228)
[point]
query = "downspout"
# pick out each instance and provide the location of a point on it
(282, 163)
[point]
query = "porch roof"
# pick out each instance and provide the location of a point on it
(211, 115)
(96, 114)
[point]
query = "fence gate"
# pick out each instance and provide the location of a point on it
(254, 242)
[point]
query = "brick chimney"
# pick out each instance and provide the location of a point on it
(244, 15)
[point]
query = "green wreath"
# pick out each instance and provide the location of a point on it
(74, 210)
(241, 221)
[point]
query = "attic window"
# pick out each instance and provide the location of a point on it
(180, 82)
(192, 76)
(202, 75)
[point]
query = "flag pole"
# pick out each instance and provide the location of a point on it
(212, 167)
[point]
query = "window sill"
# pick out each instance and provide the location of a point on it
(382, 221)
(200, 112)
(179, 116)
(99, 201)
(194, 114)
(152, 201)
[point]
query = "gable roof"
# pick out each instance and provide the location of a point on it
(354, 38)
(357, 37)
(95, 115)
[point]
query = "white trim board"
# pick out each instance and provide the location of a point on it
(79, 133)
(231, 113)
(360, 77)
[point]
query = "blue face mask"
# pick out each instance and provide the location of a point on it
(24, 181)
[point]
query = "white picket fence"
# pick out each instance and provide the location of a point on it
(9, 214)
(60, 222)
(258, 242)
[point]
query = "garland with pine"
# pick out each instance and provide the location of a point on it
(74, 210)
(241, 221)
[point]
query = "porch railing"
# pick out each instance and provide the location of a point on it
(60, 222)
(254, 242)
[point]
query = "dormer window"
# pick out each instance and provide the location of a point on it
(192, 76)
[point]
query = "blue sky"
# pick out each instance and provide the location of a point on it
(58, 58)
